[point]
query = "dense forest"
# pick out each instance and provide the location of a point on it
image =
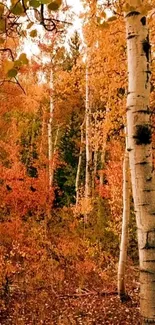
(77, 163)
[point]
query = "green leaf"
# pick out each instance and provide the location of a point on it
(17, 64)
(2, 24)
(23, 58)
(12, 73)
(17, 9)
(45, 2)
(54, 5)
(34, 3)
(33, 33)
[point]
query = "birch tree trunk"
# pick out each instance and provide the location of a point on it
(140, 152)
(88, 177)
(125, 225)
(77, 188)
(50, 140)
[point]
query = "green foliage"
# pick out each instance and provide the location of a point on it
(66, 174)
(12, 73)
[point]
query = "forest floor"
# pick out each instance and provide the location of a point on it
(87, 307)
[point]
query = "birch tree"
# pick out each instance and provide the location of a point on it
(125, 225)
(140, 151)
(77, 181)
(50, 122)
(88, 177)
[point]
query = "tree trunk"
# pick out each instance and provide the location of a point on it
(88, 177)
(125, 225)
(140, 152)
(77, 188)
(50, 140)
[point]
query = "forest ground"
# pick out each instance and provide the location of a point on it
(96, 304)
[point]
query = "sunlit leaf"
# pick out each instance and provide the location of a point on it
(17, 64)
(8, 65)
(34, 3)
(23, 58)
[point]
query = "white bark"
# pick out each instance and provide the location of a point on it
(88, 177)
(77, 188)
(125, 226)
(94, 169)
(140, 153)
(50, 140)
(53, 164)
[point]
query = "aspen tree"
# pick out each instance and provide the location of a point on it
(125, 225)
(77, 188)
(50, 122)
(140, 151)
(88, 177)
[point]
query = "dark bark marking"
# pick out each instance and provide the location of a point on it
(144, 111)
(124, 297)
(149, 179)
(150, 240)
(142, 163)
(131, 36)
(146, 47)
(143, 135)
(146, 271)
(143, 21)
(147, 321)
(133, 13)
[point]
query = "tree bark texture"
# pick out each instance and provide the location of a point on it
(125, 226)
(140, 152)
(88, 177)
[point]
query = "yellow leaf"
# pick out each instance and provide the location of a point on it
(8, 65)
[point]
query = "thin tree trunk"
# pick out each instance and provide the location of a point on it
(77, 187)
(53, 157)
(140, 152)
(102, 167)
(50, 139)
(94, 170)
(88, 177)
(125, 225)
